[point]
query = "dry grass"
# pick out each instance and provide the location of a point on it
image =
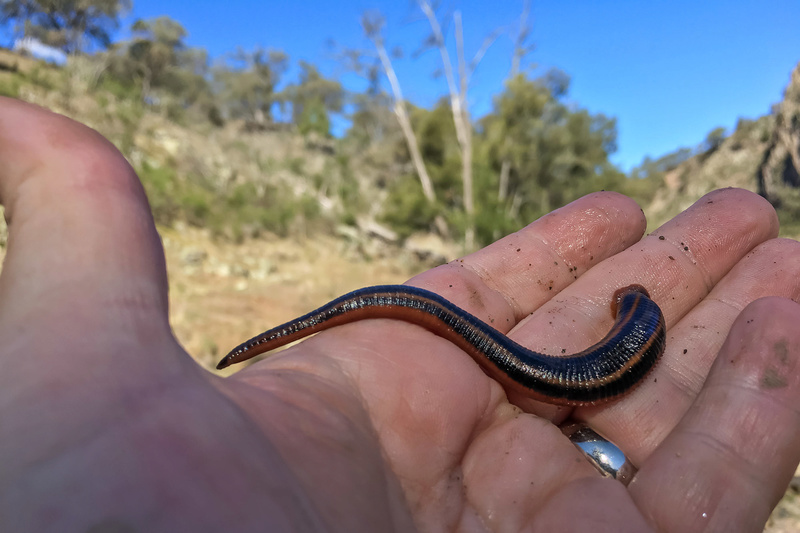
(222, 294)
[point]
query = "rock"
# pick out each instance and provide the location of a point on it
(431, 249)
(193, 257)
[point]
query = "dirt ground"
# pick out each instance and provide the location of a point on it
(221, 294)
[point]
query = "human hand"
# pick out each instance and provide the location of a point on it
(106, 423)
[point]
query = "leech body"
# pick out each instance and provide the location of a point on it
(600, 373)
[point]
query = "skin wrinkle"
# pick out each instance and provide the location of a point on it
(747, 387)
(472, 270)
(719, 447)
(475, 269)
(586, 237)
(323, 417)
(426, 492)
(733, 305)
(514, 438)
(542, 246)
(718, 508)
(677, 377)
(678, 251)
(590, 214)
(249, 378)
(591, 310)
(534, 236)
(737, 237)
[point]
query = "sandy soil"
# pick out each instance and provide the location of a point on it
(221, 294)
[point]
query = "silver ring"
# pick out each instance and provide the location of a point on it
(606, 457)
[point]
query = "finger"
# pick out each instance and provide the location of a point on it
(62, 183)
(522, 474)
(512, 277)
(516, 466)
(678, 265)
(643, 419)
(596, 505)
(82, 248)
(731, 457)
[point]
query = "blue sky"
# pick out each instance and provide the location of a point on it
(669, 71)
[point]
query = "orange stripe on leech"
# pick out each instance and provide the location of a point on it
(605, 379)
(359, 312)
(635, 359)
(254, 348)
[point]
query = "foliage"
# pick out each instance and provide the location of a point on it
(71, 25)
(312, 99)
(239, 210)
(10, 84)
(407, 210)
(170, 76)
(551, 152)
(372, 120)
(314, 119)
(714, 139)
(533, 152)
(151, 56)
(245, 84)
(656, 168)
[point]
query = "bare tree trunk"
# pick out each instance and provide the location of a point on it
(466, 145)
(505, 170)
(519, 43)
(519, 50)
(405, 123)
(461, 119)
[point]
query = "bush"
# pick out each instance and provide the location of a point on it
(10, 87)
(407, 210)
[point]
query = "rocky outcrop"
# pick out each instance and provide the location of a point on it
(779, 174)
(761, 155)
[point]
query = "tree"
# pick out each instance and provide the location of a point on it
(521, 49)
(555, 152)
(372, 24)
(406, 208)
(71, 25)
(246, 84)
(154, 51)
(312, 99)
(714, 139)
(458, 85)
(168, 74)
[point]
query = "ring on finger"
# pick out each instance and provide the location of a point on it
(606, 456)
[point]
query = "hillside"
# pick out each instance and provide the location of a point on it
(761, 155)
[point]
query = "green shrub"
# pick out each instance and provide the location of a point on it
(10, 87)
(407, 210)
(296, 165)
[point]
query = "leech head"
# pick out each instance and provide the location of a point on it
(623, 292)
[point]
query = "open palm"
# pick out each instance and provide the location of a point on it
(106, 423)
